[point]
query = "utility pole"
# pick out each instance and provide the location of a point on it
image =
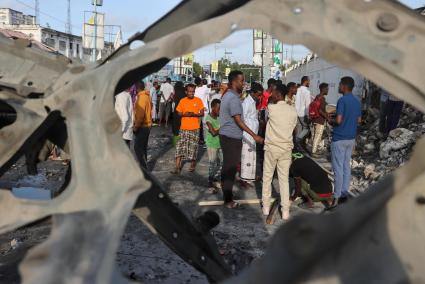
(262, 58)
(37, 12)
(68, 26)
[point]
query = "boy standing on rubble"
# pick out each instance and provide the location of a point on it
(191, 110)
(212, 140)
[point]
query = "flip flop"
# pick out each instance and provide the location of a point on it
(191, 170)
(175, 172)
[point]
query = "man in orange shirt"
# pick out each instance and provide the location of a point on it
(142, 123)
(191, 109)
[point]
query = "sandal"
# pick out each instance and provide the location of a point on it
(175, 172)
(232, 205)
(192, 169)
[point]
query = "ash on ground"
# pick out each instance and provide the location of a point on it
(241, 235)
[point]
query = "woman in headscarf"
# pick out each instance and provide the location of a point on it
(179, 93)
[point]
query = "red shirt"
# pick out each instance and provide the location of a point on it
(264, 101)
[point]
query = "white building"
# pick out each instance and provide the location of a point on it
(12, 17)
(320, 71)
(67, 44)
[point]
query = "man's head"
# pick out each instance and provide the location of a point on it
(204, 82)
(140, 86)
(324, 89)
(292, 88)
(168, 80)
(216, 86)
(236, 81)
(270, 83)
(305, 81)
(190, 91)
(256, 91)
(155, 84)
(346, 85)
(198, 81)
(215, 106)
(279, 92)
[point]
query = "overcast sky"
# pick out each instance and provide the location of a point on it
(136, 15)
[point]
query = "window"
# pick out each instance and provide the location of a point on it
(78, 49)
(50, 42)
(70, 45)
(62, 45)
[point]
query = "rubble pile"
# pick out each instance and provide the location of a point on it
(376, 156)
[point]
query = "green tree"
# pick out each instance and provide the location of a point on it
(197, 69)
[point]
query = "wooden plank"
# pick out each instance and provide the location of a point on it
(221, 202)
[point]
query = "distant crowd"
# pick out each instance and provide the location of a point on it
(250, 133)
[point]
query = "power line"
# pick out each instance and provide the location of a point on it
(45, 14)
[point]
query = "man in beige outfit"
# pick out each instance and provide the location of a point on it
(278, 148)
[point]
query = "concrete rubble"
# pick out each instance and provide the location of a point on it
(376, 157)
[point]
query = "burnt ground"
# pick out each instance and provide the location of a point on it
(241, 235)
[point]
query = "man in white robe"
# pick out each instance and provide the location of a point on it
(124, 109)
(250, 115)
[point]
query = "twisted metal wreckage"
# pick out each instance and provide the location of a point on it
(379, 237)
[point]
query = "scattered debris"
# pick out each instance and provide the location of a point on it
(377, 156)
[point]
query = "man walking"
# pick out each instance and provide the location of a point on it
(292, 91)
(202, 92)
(302, 102)
(167, 91)
(383, 100)
(124, 109)
(318, 115)
(142, 123)
(250, 117)
(393, 110)
(154, 99)
(190, 109)
(278, 149)
(231, 133)
(348, 116)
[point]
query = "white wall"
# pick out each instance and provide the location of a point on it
(321, 71)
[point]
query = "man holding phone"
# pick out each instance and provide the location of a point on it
(191, 109)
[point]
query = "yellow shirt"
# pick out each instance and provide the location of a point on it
(143, 110)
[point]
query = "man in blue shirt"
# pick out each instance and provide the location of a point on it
(231, 132)
(348, 116)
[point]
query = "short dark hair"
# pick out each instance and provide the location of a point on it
(271, 82)
(233, 75)
(323, 85)
(140, 85)
(215, 102)
(198, 81)
(279, 81)
(291, 84)
(256, 87)
(304, 79)
(282, 89)
(204, 81)
(348, 82)
(190, 85)
(168, 80)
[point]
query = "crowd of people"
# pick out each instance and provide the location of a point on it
(250, 133)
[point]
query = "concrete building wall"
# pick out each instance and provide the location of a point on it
(321, 71)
